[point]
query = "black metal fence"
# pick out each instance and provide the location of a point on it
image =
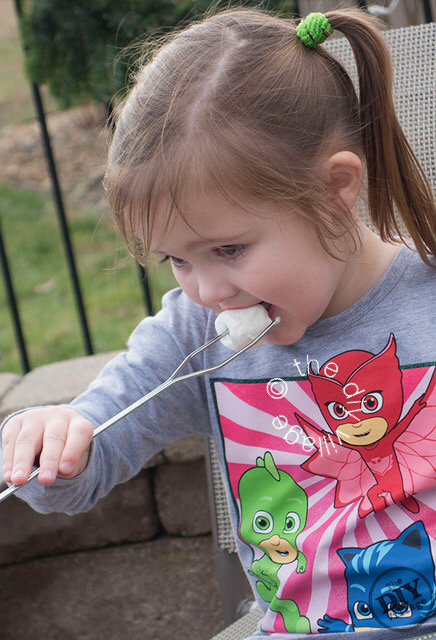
(68, 248)
(68, 245)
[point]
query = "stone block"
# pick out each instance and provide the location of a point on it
(127, 514)
(186, 449)
(7, 382)
(155, 460)
(54, 383)
(162, 589)
(182, 498)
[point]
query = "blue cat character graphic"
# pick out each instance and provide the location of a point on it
(391, 584)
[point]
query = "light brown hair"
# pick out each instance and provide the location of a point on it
(236, 102)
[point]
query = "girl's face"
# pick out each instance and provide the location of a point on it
(225, 257)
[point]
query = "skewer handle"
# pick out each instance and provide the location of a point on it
(168, 383)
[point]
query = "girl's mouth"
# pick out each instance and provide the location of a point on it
(268, 307)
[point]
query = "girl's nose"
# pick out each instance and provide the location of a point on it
(212, 289)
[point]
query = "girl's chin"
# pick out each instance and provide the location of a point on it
(282, 335)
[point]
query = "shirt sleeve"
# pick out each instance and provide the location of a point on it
(155, 349)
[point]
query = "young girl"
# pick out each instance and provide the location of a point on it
(239, 156)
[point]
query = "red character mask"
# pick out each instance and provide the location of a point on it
(356, 385)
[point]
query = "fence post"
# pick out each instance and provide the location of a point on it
(57, 195)
(143, 276)
(13, 306)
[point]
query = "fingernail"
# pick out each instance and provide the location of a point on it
(46, 475)
(66, 467)
(19, 474)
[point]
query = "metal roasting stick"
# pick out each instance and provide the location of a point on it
(173, 379)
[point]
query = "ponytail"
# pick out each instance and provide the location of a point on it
(395, 178)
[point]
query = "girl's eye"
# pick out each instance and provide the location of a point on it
(175, 262)
(230, 251)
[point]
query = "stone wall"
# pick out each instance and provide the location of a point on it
(168, 497)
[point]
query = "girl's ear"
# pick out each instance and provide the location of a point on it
(342, 174)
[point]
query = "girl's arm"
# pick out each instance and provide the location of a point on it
(62, 434)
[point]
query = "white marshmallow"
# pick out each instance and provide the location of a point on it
(243, 325)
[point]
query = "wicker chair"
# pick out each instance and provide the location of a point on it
(413, 52)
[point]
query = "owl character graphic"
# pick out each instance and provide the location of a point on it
(384, 449)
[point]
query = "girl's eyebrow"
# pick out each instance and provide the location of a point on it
(217, 242)
(213, 241)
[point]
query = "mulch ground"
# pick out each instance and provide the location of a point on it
(80, 143)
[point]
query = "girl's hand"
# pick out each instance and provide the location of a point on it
(61, 436)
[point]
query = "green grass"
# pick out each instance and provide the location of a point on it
(109, 279)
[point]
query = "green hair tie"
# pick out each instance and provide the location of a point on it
(314, 29)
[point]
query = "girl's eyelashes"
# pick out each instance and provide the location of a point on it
(175, 262)
(232, 252)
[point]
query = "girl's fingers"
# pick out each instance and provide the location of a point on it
(60, 435)
(76, 451)
(55, 436)
(27, 444)
(9, 436)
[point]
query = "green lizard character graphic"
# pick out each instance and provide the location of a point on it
(273, 513)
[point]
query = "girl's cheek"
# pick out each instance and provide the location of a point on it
(187, 285)
(179, 277)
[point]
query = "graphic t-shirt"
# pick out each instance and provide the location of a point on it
(333, 476)
(327, 448)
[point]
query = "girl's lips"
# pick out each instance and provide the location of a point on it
(269, 308)
(266, 305)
